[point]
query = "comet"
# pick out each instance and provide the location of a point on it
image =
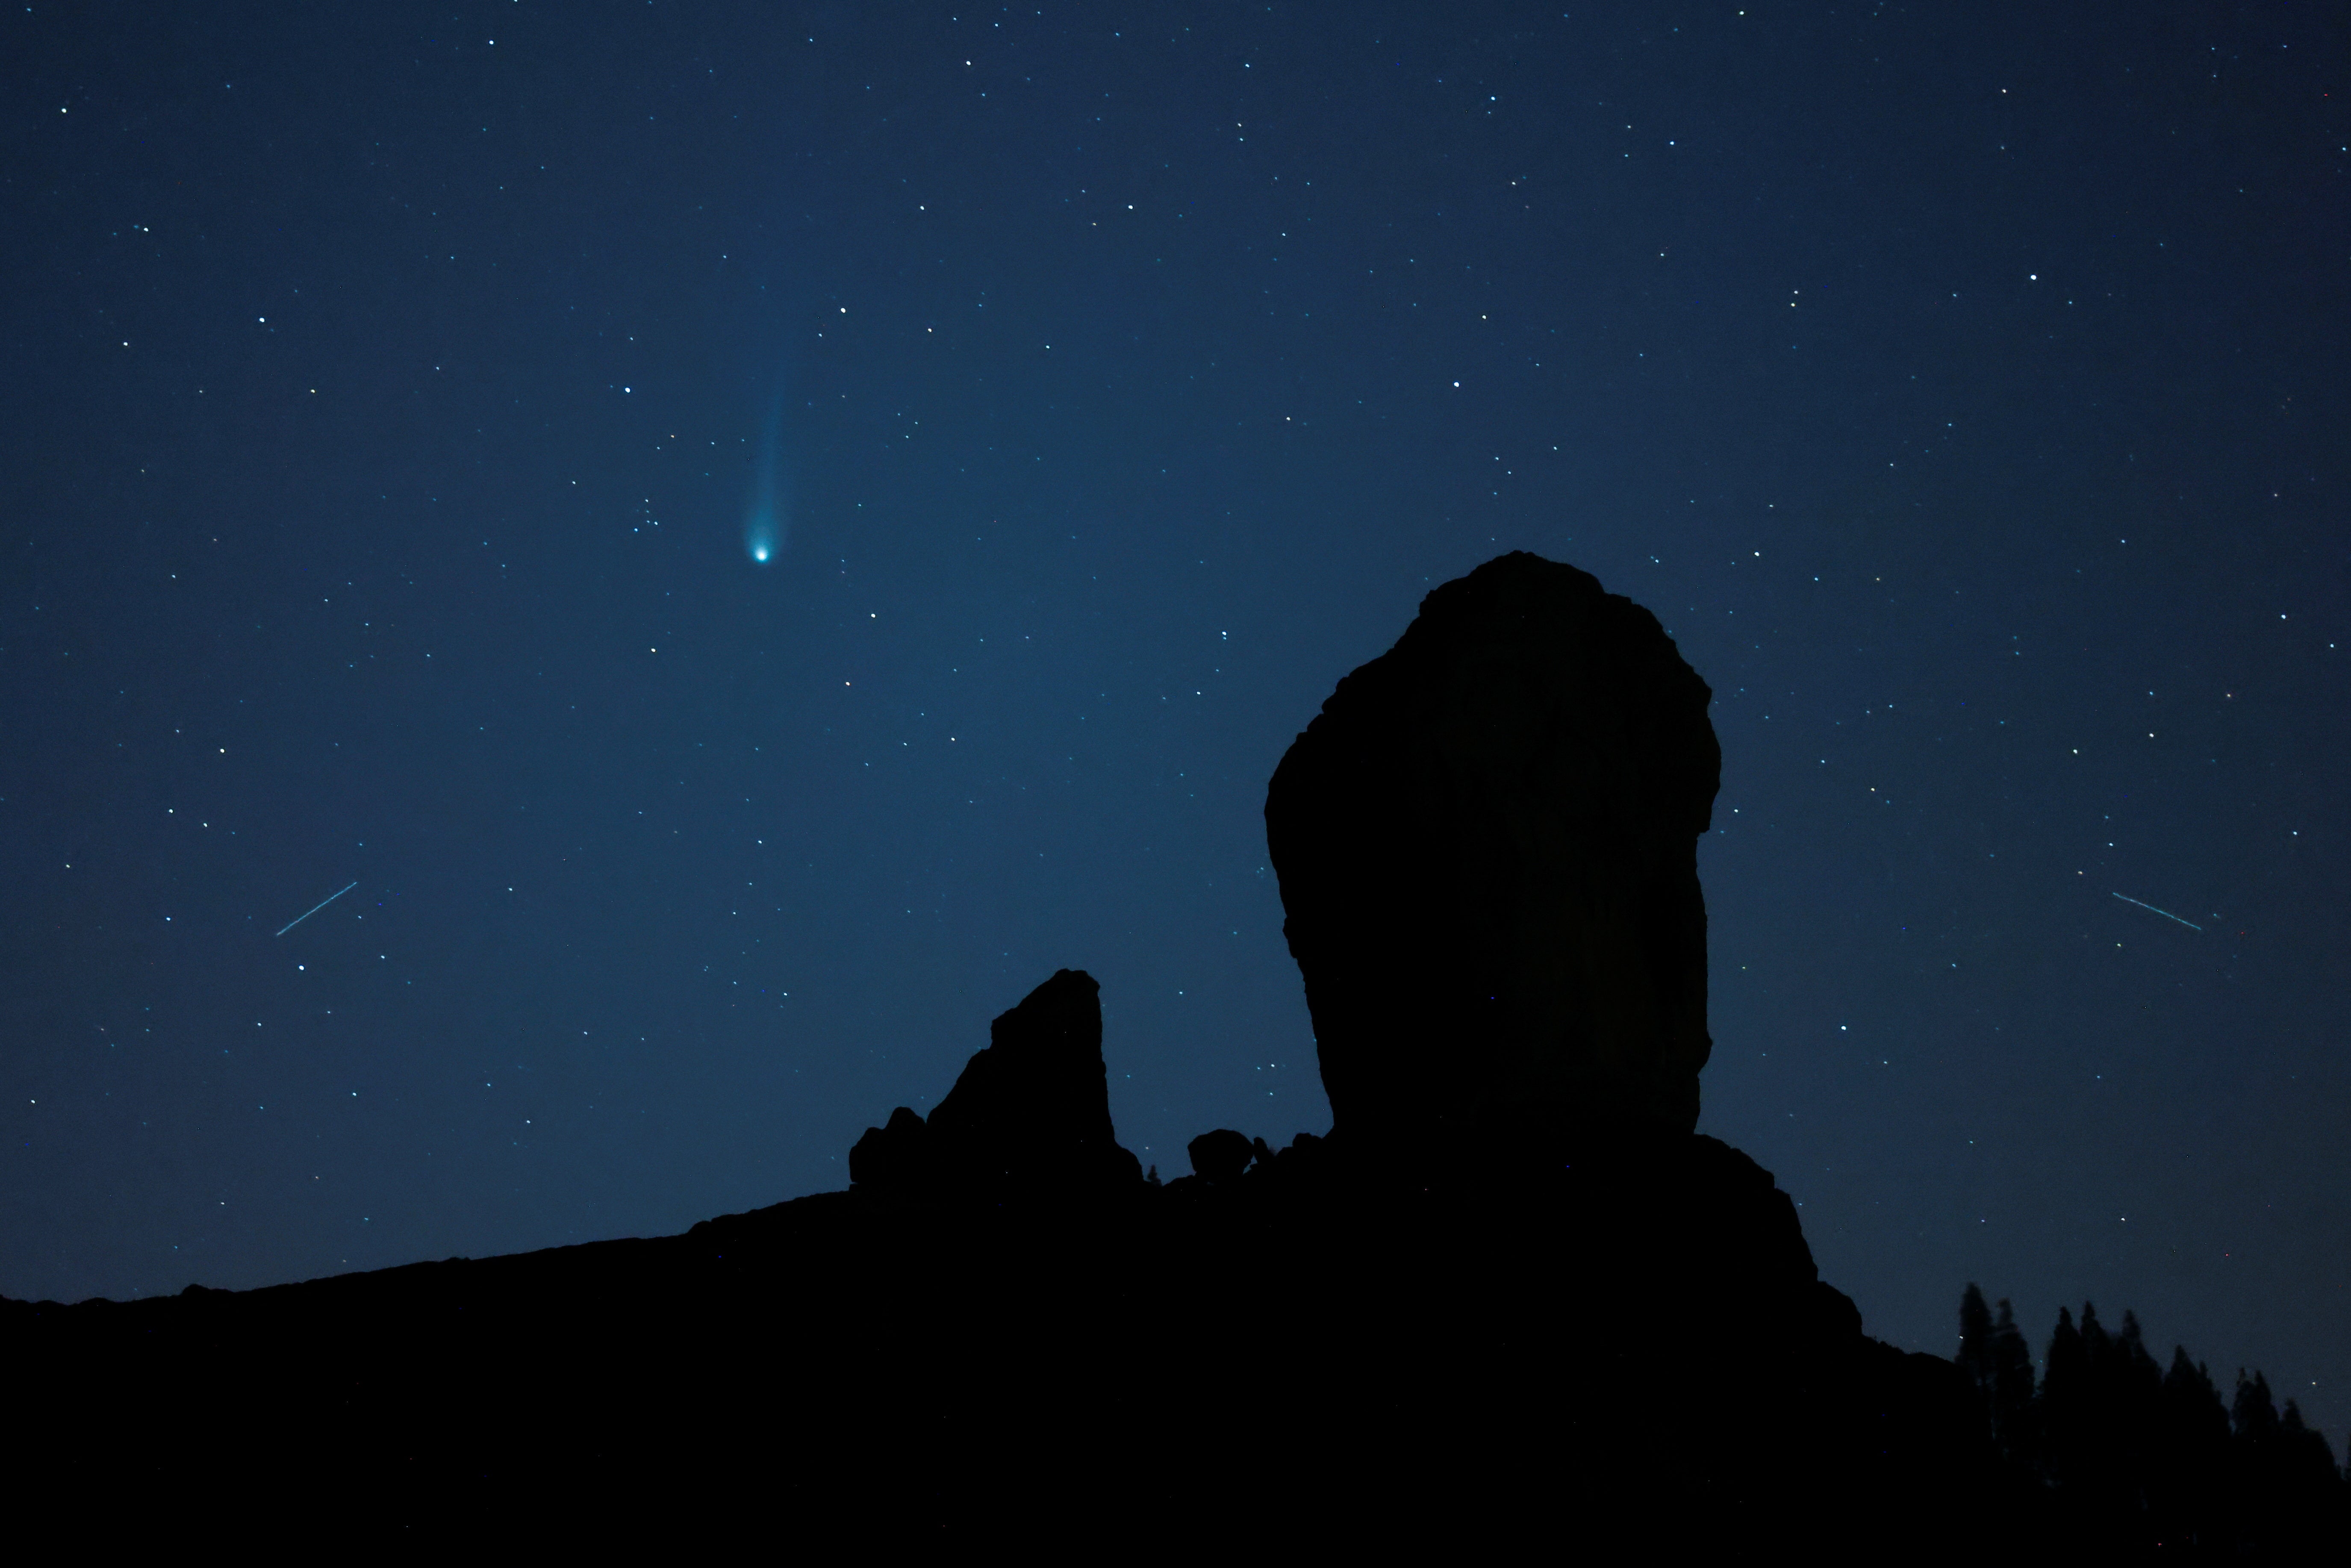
(347, 888)
(768, 527)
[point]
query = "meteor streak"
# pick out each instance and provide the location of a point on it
(341, 890)
(2165, 913)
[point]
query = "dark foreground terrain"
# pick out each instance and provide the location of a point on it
(1513, 1303)
(1634, 1351)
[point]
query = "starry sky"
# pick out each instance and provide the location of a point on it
(743, 537)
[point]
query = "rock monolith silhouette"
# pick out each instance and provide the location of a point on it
(1486, 846)
(1032, 1110)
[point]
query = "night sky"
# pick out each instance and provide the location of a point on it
(400, 400)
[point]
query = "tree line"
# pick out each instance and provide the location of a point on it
(2112, 1449)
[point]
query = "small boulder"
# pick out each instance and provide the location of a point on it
(893, 1158)
(1221, 1155)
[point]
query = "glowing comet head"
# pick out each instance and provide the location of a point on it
(759, 536)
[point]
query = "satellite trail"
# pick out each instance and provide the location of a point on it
(2165, 913)
(341, 890)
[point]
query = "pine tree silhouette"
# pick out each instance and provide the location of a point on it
(2288, 1493)
(2059, 1411)
(1993, 1355)
(2312, 1487)
(2253, 1412)
(2253, 1501)
(2012, 1388)
(1975, 1356)
(2129, 1391)
(2127, 1460)
(2098, 1407)
(2190, 1508)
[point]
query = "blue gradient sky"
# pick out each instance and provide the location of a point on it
(388, 391)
